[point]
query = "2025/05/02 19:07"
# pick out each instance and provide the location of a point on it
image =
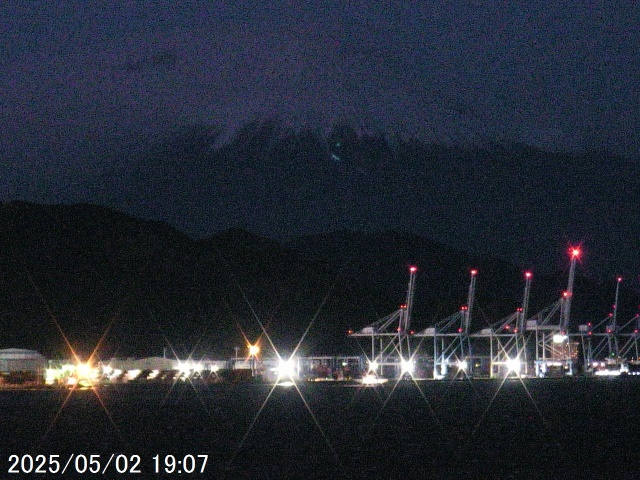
(99, 464)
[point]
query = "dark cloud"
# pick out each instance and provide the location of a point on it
(560, 75)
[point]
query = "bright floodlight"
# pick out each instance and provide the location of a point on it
(407, 366)
(370, 380)
(254, 350)
(287, 368)
(462, 365)
(513, 365)
(84, 371)
(373, 366)
(559, 338)
(189, 366)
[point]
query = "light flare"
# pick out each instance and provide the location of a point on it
(513, 365)
(407, 366)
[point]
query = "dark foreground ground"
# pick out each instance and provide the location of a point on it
(568, 428)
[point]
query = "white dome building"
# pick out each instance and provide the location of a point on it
(18, 365)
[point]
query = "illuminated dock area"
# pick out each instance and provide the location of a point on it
(521, 345)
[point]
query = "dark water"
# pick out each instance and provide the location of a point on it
(569, 428)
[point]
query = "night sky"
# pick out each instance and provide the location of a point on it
(85, 84)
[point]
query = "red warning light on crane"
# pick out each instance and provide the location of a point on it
(528, 274)
(574, 251)
(413, 269)
(474, 272)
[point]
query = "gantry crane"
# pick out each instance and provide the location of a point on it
(507, 339)
(451, 338)
(600, 346)
(390, 336)
(554, 350)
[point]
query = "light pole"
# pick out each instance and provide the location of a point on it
(254, 350)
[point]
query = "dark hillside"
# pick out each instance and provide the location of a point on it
(89, 271)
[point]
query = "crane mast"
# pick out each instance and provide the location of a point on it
(522, 318)
(565, 308)
(404, 325)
